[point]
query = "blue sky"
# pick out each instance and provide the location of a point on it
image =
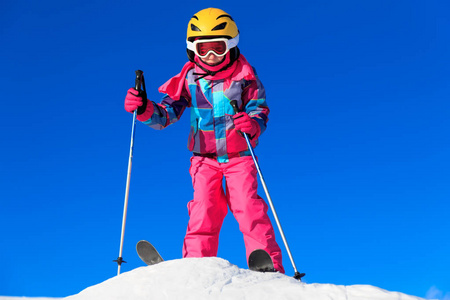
(356, 154)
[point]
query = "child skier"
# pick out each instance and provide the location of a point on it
(216, 74)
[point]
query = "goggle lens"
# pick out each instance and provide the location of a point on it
(219, 47)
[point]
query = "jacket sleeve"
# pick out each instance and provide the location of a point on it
(165, 113)
(168, 111)
(254, 97)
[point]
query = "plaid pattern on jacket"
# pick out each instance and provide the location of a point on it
(212, 129)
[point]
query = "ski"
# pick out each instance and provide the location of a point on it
(260, 261)
(148, 253)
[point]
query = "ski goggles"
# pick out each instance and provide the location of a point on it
(220, 46)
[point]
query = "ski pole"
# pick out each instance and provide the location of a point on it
(297, 274)
(138, 83)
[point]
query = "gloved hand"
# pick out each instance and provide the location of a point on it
(245, 124)
(136, 100)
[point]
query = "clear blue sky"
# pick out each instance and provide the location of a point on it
(356, 154)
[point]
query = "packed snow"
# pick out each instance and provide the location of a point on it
(216, 278)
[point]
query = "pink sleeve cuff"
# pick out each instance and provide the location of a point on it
(148, 112)
(257, 129)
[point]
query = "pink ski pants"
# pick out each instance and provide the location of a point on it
(210, 205)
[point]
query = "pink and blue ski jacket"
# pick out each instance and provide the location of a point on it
(212, 130)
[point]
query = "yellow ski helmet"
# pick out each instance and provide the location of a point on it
(213, 23)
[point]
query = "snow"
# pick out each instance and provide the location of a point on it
(216, 278)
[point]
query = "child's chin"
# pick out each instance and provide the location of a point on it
(212, 63)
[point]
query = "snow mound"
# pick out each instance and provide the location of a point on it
(215, 278)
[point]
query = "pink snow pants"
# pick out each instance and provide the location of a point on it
(210, 205)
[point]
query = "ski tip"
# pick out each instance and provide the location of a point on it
(148, 253)
(260, 261)
(142, 242)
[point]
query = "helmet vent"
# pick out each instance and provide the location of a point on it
(220, 26)
(195, 28)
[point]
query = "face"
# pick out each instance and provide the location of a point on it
(212, 59)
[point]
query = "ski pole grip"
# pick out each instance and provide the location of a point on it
(138, 80)
(234, 105)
